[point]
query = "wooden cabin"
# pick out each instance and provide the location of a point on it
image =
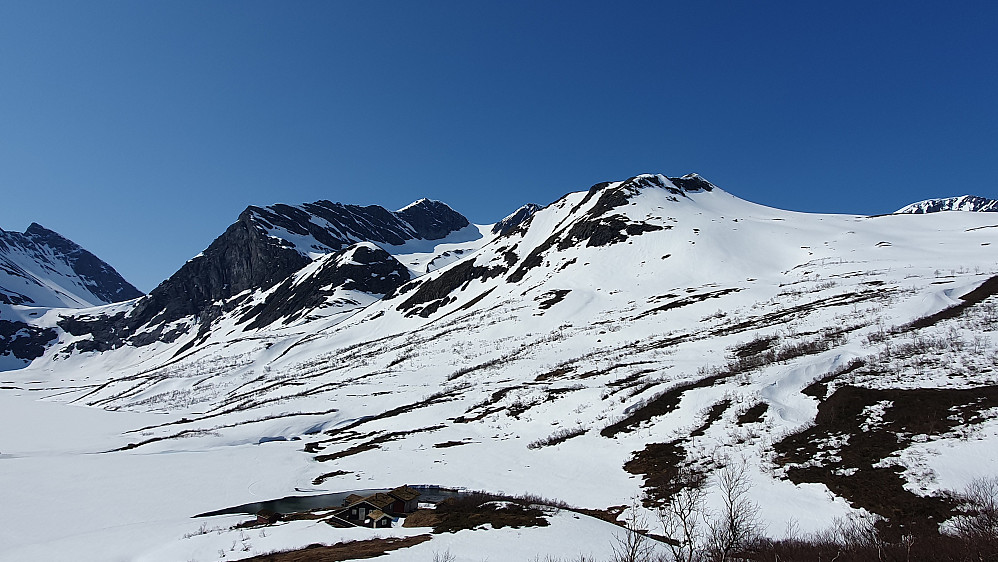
(406, 500)
(376, 510)
(358, 511)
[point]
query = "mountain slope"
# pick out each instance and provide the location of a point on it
(587, 354)
(265, 247)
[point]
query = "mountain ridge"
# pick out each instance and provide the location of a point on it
(609, 343)
(41, 267)
(969, 203)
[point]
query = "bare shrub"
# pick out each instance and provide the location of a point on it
(684, 521)
(738, 525)
(444, 556)
(979, 520)
(633, 545)
(557, 437)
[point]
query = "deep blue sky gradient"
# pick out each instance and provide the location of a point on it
(142, 129)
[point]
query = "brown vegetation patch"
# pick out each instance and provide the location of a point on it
(661, 464)
(352, 550)
(660, 405)
(754, 414)
(374, 443)
(476, 509)
(782, 316)
(556, 373)
(421, 518)
(845, 465)
(685, 301)
(743, 362)
(323, 477)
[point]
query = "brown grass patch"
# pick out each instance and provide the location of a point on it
(353, 550)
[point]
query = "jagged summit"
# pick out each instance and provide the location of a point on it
(689, 183)
(264, 249)
(323, 226)
(961, 203)
(515, 218)
(40, 267)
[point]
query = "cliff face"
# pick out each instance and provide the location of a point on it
(243, 257)
(264, 249)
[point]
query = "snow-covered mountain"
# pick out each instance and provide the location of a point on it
(600, 351)
(41, 268)
(281, 262)
(961, 203)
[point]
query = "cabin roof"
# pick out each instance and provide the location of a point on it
(379, 501)
(352, 498)
(404, 493)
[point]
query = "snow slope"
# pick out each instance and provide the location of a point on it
(558, 358)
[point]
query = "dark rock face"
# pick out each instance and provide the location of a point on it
(48, 250)
(243, 257)
(692, 183)
(432, 220)
(334, 226)
(516, 219)
(436, 291)
(265, 247)
(364, 268)
(600, 225)
(24, 341)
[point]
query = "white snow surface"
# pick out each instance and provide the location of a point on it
(577, 342)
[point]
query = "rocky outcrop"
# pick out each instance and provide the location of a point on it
(515, 219)
(265, 248)
(23, 341)
(363, 267)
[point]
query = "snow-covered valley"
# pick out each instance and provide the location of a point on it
(586, 355)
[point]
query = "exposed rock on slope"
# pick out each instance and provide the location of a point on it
(363, 268)
(263, 249)
(962, 203)
(515, 219)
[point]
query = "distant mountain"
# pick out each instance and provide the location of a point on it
(962, 203)
(39, 267)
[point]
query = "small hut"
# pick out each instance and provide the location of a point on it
(405, 500)
(378, 519)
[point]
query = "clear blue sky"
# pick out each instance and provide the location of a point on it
(142, 129)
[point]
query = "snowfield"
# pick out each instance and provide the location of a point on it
(634, 325)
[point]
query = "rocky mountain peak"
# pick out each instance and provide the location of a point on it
(515, 218)
(432, 220)
(43, 268)
(962, 203)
